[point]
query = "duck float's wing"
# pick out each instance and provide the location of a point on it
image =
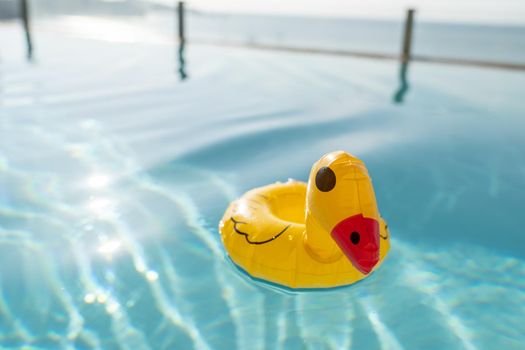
(248, 217)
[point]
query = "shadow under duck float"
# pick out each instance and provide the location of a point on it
(323, 234)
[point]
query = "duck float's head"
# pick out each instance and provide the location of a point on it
(342, 215)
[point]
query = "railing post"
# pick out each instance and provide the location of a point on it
(407, 37)
(24, 13)
(180, 12)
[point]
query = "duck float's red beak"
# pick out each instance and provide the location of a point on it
(358, 238)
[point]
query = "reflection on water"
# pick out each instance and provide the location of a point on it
(403, 83)
(182, 61)
(24, 13)
(181, 13)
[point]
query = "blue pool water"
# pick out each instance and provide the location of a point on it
(114, 175)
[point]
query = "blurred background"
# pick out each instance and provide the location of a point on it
(128, 126)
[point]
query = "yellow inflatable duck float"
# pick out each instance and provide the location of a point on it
(323, 234)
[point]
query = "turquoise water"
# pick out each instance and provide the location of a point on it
(114, 174)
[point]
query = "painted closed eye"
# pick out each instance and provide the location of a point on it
(325, 179)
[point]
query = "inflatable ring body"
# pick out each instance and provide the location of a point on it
(323, 234)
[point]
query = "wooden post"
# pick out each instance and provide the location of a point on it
(24, 12)
(180, 11)
(407, 37)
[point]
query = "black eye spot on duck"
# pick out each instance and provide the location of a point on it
(325, 179)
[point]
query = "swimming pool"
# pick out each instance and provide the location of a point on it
(114, 175)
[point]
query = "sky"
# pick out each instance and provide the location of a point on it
(482, 11)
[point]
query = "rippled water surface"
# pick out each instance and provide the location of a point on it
(114, 175)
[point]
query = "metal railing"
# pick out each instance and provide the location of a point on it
(405, 56)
